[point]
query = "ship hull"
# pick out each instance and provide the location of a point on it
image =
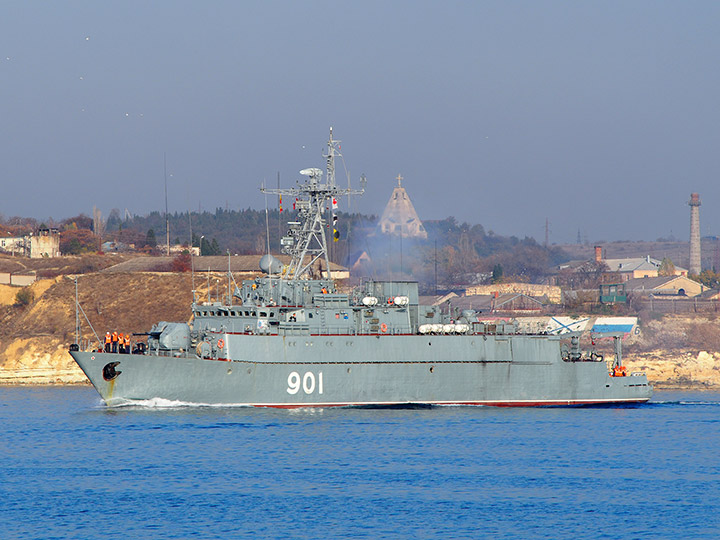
(325, 371)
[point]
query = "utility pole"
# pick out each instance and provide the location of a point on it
(167, 219)
(77, 314)
(279, 207)
(436, 289)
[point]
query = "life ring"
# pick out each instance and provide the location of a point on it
(221, 343)
(383, 328)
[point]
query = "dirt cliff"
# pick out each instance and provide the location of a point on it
(677, 351)
(34, 338)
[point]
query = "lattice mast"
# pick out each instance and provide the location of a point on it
(306, 241)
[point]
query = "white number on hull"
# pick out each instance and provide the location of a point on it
(308, 383)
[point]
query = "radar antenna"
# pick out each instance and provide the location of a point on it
(306, 241)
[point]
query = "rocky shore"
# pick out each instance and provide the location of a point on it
(39, 360)
(697, 371)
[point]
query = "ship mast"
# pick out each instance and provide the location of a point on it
(306, 241)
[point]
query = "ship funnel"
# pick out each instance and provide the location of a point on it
(270, 265)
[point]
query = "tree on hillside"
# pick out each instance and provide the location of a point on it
(182, 262)
(77, 241)
(24, 297)
(29, 224)
(150, 239)
(497, 274)
(78, 222)
(709, 279)
(209, 248)
(114, 220)
(667, 268)
(589, 275)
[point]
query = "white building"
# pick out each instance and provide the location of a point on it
(400, 217)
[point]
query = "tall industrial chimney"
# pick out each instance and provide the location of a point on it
(695, 234)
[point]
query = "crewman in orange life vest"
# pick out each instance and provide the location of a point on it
(108, 340)
(114, 342)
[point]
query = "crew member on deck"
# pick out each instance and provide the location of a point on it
(108, 341)
(114, 341)
(127, 344)
(121, 343)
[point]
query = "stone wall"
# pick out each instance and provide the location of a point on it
(553, 293)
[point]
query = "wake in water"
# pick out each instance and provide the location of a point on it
(673, 403)
(169, 405)
(161, 403)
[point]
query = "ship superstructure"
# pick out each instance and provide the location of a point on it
(292, 339)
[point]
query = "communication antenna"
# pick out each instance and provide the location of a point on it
(192, 258)
(208, 284)
(229, 301)
(267, 220)
(306, 241)
(436, 285)
(167, 219)
(77, 314)
(348, 178)
(279, 207)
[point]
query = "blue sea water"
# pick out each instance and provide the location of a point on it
(72, 468)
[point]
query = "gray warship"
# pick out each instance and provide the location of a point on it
(292, 339)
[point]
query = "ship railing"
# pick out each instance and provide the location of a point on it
(339, 331)
(293, 329)
(176, 353)
(403, 330)
(89, 345)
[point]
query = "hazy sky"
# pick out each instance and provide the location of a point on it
(600, 116)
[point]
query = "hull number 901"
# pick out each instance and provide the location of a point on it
(308, 382)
